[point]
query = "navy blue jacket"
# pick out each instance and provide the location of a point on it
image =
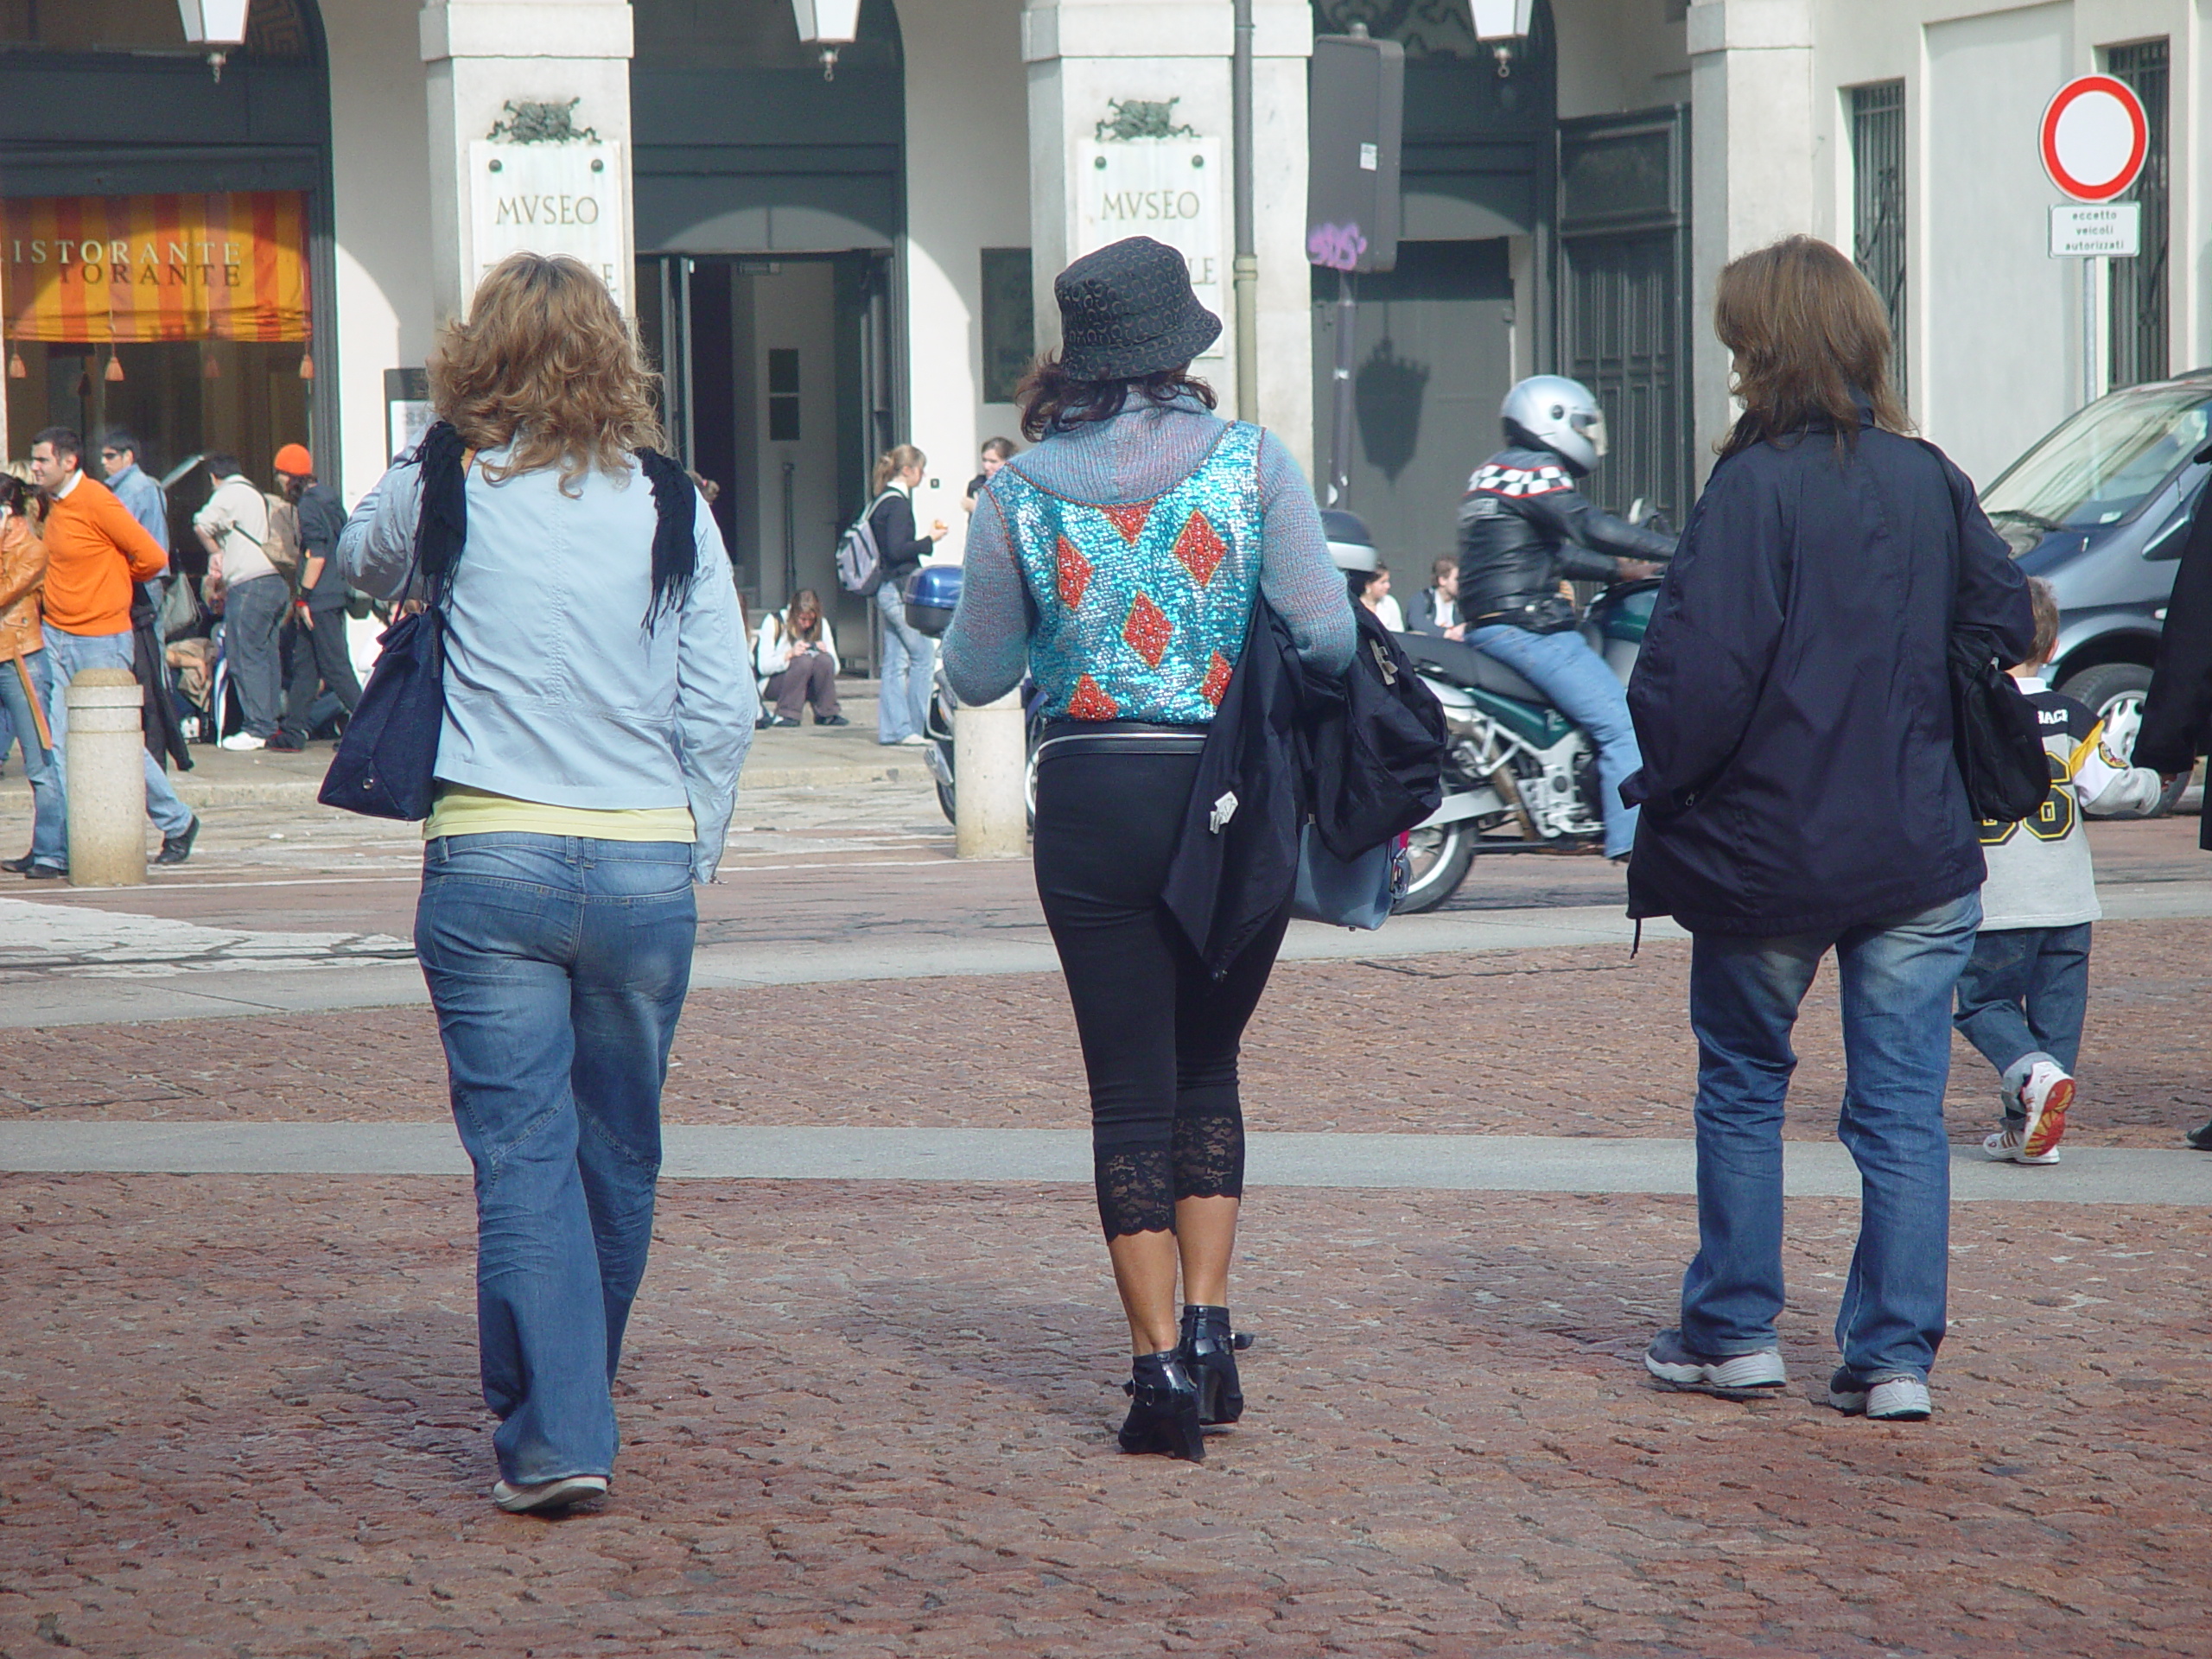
(1793, 695)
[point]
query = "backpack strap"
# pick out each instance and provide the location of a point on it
(443, 526)
(676, 533)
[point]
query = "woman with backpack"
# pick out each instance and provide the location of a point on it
(597, 709)
(909, 656)
(1118, 563)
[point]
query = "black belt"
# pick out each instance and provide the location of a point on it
(1118, 737)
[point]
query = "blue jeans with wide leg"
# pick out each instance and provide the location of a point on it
(909, 665)
(558, 966)
(1587, 691)
(1897, 976)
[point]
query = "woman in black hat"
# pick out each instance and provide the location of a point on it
(1117, 562)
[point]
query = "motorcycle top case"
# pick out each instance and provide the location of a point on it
(933, 595)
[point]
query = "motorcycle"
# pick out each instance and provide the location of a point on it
(1515, 764)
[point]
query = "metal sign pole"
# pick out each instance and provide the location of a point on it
(1340, 435)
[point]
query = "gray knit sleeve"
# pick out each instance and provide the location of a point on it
(987, 647)
(1297, 575)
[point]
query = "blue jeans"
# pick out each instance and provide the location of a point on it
(49, 813)
(2023, 998)
(1581, 686)
(69, 655)
(558, 966)
(1897, 977)
(909, 663)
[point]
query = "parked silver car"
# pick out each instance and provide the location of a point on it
(2100, 509)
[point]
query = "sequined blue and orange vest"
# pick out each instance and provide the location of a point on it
(1141, 609)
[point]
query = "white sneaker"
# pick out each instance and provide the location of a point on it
(240, 740)
(1891, 1399)
(2045, 1095)
(913, 740)
(547, 1494)
(2009, 1146)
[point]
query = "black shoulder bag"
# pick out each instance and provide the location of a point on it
(1995, 733)
(386, 763)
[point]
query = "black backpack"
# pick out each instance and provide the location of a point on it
(1377, 756)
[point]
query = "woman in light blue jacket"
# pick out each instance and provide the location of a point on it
(598, 706)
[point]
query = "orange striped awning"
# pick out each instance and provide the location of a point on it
(100, 270)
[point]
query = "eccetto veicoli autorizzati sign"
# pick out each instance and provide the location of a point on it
(105, 270)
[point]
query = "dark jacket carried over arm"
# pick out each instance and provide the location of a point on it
(902, 550)
(2178, 711)
(1524, 528)
(1793, 696)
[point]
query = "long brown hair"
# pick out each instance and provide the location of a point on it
(806, 604)
(1811, 339)
(545, 360)
(1052, 398)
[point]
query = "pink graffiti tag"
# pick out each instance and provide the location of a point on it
(1335, 246)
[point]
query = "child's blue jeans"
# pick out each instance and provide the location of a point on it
(2022, 999)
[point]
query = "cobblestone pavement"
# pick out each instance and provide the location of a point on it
(1554, 1042)
(243, 1422)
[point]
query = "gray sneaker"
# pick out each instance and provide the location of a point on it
(547, 1494)
(1730, 1375)
(1899, 1398)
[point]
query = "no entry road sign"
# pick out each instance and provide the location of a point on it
(2095, 137)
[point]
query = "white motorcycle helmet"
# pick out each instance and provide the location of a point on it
(1558, 414)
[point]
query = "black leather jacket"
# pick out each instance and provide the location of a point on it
(1523, 527)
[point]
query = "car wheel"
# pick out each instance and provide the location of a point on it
(2114, 693)
(1436, 861)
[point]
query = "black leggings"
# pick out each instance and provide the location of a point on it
(1159, 1037)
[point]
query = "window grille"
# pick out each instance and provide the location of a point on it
(1877, 207)
(2137, 321)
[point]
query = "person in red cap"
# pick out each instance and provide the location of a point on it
(316, 654)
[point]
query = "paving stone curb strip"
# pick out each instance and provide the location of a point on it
(1467, 1163)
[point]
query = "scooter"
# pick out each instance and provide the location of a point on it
(940, 756)
(1519, 776)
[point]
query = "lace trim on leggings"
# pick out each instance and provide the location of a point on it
(1135, 1194)
(1210, 1157)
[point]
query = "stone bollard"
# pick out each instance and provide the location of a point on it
(107, 780)
(991, 806)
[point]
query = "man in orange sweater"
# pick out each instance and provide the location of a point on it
(96, 551)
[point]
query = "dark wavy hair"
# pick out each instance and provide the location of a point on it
(1810, 338)
(1051, 399)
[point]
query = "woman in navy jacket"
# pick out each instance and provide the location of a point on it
(1800, 795)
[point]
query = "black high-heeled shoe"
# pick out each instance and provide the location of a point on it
(1163, 1408)
(1208, 1351)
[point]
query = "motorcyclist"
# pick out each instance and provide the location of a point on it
(1523, 529)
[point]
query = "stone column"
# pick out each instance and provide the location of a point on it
(107, 779)
(990, 801)
(479, 55)
(1752, 160)
(1081, 54)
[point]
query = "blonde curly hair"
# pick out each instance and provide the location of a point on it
(547, 362)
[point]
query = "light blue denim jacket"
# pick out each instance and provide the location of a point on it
(555, 690)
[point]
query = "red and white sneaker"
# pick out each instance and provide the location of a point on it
(2008, 1145)
(2045, 1095)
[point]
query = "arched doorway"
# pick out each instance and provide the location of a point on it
(165, 247)
(770, 205)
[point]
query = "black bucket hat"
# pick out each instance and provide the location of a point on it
(1127, 310)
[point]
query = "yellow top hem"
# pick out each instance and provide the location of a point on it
(460, 810)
